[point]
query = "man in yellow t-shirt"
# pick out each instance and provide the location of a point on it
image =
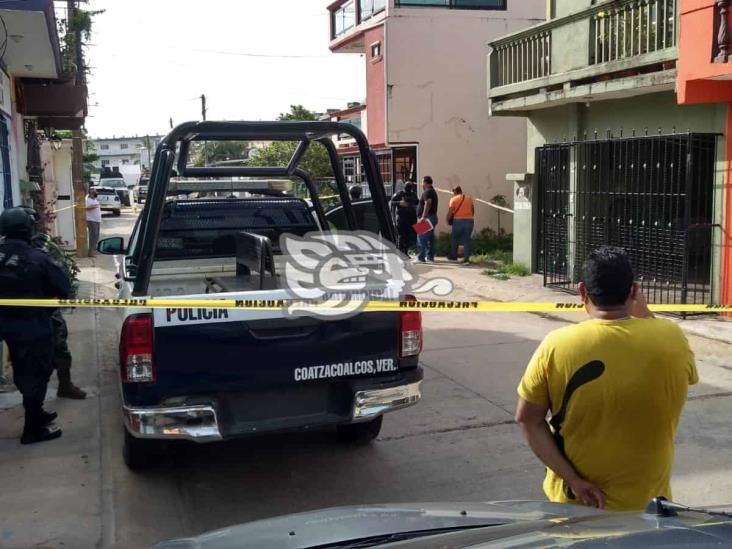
(615, 386)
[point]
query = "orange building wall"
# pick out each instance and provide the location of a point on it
(700, 80)
(695, 66)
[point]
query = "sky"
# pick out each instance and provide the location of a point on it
(152, 59)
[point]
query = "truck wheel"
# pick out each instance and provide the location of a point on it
(359, 433)
(140, 453)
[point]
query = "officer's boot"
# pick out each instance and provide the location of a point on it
(47, 417)
(66, 389)
(35, 430)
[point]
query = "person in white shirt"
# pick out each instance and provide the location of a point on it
(93, 220)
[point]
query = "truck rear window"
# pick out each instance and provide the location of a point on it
(202, 228)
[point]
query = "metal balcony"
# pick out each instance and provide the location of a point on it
(608, 42)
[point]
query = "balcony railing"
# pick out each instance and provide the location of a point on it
(525, 59)
(632, 28)
(723, 46)
(611, 32)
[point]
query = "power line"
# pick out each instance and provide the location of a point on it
(251, 54)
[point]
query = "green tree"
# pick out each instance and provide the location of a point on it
(298, 112)
(278, 153)
(212, 152)
(90, 155)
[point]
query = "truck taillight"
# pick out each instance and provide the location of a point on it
(136, 350)
(410, 343)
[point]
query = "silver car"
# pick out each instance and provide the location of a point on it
(109, 200)
(497, 524)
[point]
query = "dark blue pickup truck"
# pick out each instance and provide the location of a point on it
(208, 374)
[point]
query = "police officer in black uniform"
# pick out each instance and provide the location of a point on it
(29, 273)
(356, 194)
(405, 202)
(61, 354)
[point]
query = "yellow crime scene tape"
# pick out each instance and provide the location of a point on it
(64, 209)
(369, 306)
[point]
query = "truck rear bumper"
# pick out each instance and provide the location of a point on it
(373, 402)
(201, 423)
(197, 423)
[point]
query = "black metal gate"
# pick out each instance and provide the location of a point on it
(651, 195)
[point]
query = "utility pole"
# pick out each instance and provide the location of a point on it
(77, 145)
(149, 153)
(203, 116)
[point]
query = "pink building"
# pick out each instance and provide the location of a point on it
(426, 109)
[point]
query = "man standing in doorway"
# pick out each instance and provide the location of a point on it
(615, 385)
(427, 209)
(93, 220)
(405, 203)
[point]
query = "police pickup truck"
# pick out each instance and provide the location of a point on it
(209, 374)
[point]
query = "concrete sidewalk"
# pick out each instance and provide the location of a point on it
(470, 283)
(51, 491)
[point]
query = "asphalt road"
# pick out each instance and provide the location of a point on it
(458, 444)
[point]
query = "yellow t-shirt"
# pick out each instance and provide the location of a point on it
(615, 390)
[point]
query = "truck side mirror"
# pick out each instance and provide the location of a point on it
(111, 246)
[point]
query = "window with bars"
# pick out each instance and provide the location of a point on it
(352, 170)
(385, 167)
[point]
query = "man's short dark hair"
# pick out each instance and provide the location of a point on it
(427, 179)
(608, 276)
(356, 192)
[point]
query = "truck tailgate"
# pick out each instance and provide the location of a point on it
(209, 352)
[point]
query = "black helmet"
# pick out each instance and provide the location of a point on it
(31, 212)
(16, 223)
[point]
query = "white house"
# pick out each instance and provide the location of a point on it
(125, 151)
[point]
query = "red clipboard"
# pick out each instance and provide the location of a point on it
(422, 227)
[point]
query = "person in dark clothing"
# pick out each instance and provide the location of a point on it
(405, 204)
(30, 274)
(62, 359)
(427, 209)
(61, 353)
(356, 192)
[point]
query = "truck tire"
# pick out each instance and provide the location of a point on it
(140, 453)
(359, 433)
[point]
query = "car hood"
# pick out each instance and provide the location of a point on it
(514, 524)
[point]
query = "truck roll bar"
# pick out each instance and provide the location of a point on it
(179, 141)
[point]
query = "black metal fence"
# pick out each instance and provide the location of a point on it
(651, 195)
